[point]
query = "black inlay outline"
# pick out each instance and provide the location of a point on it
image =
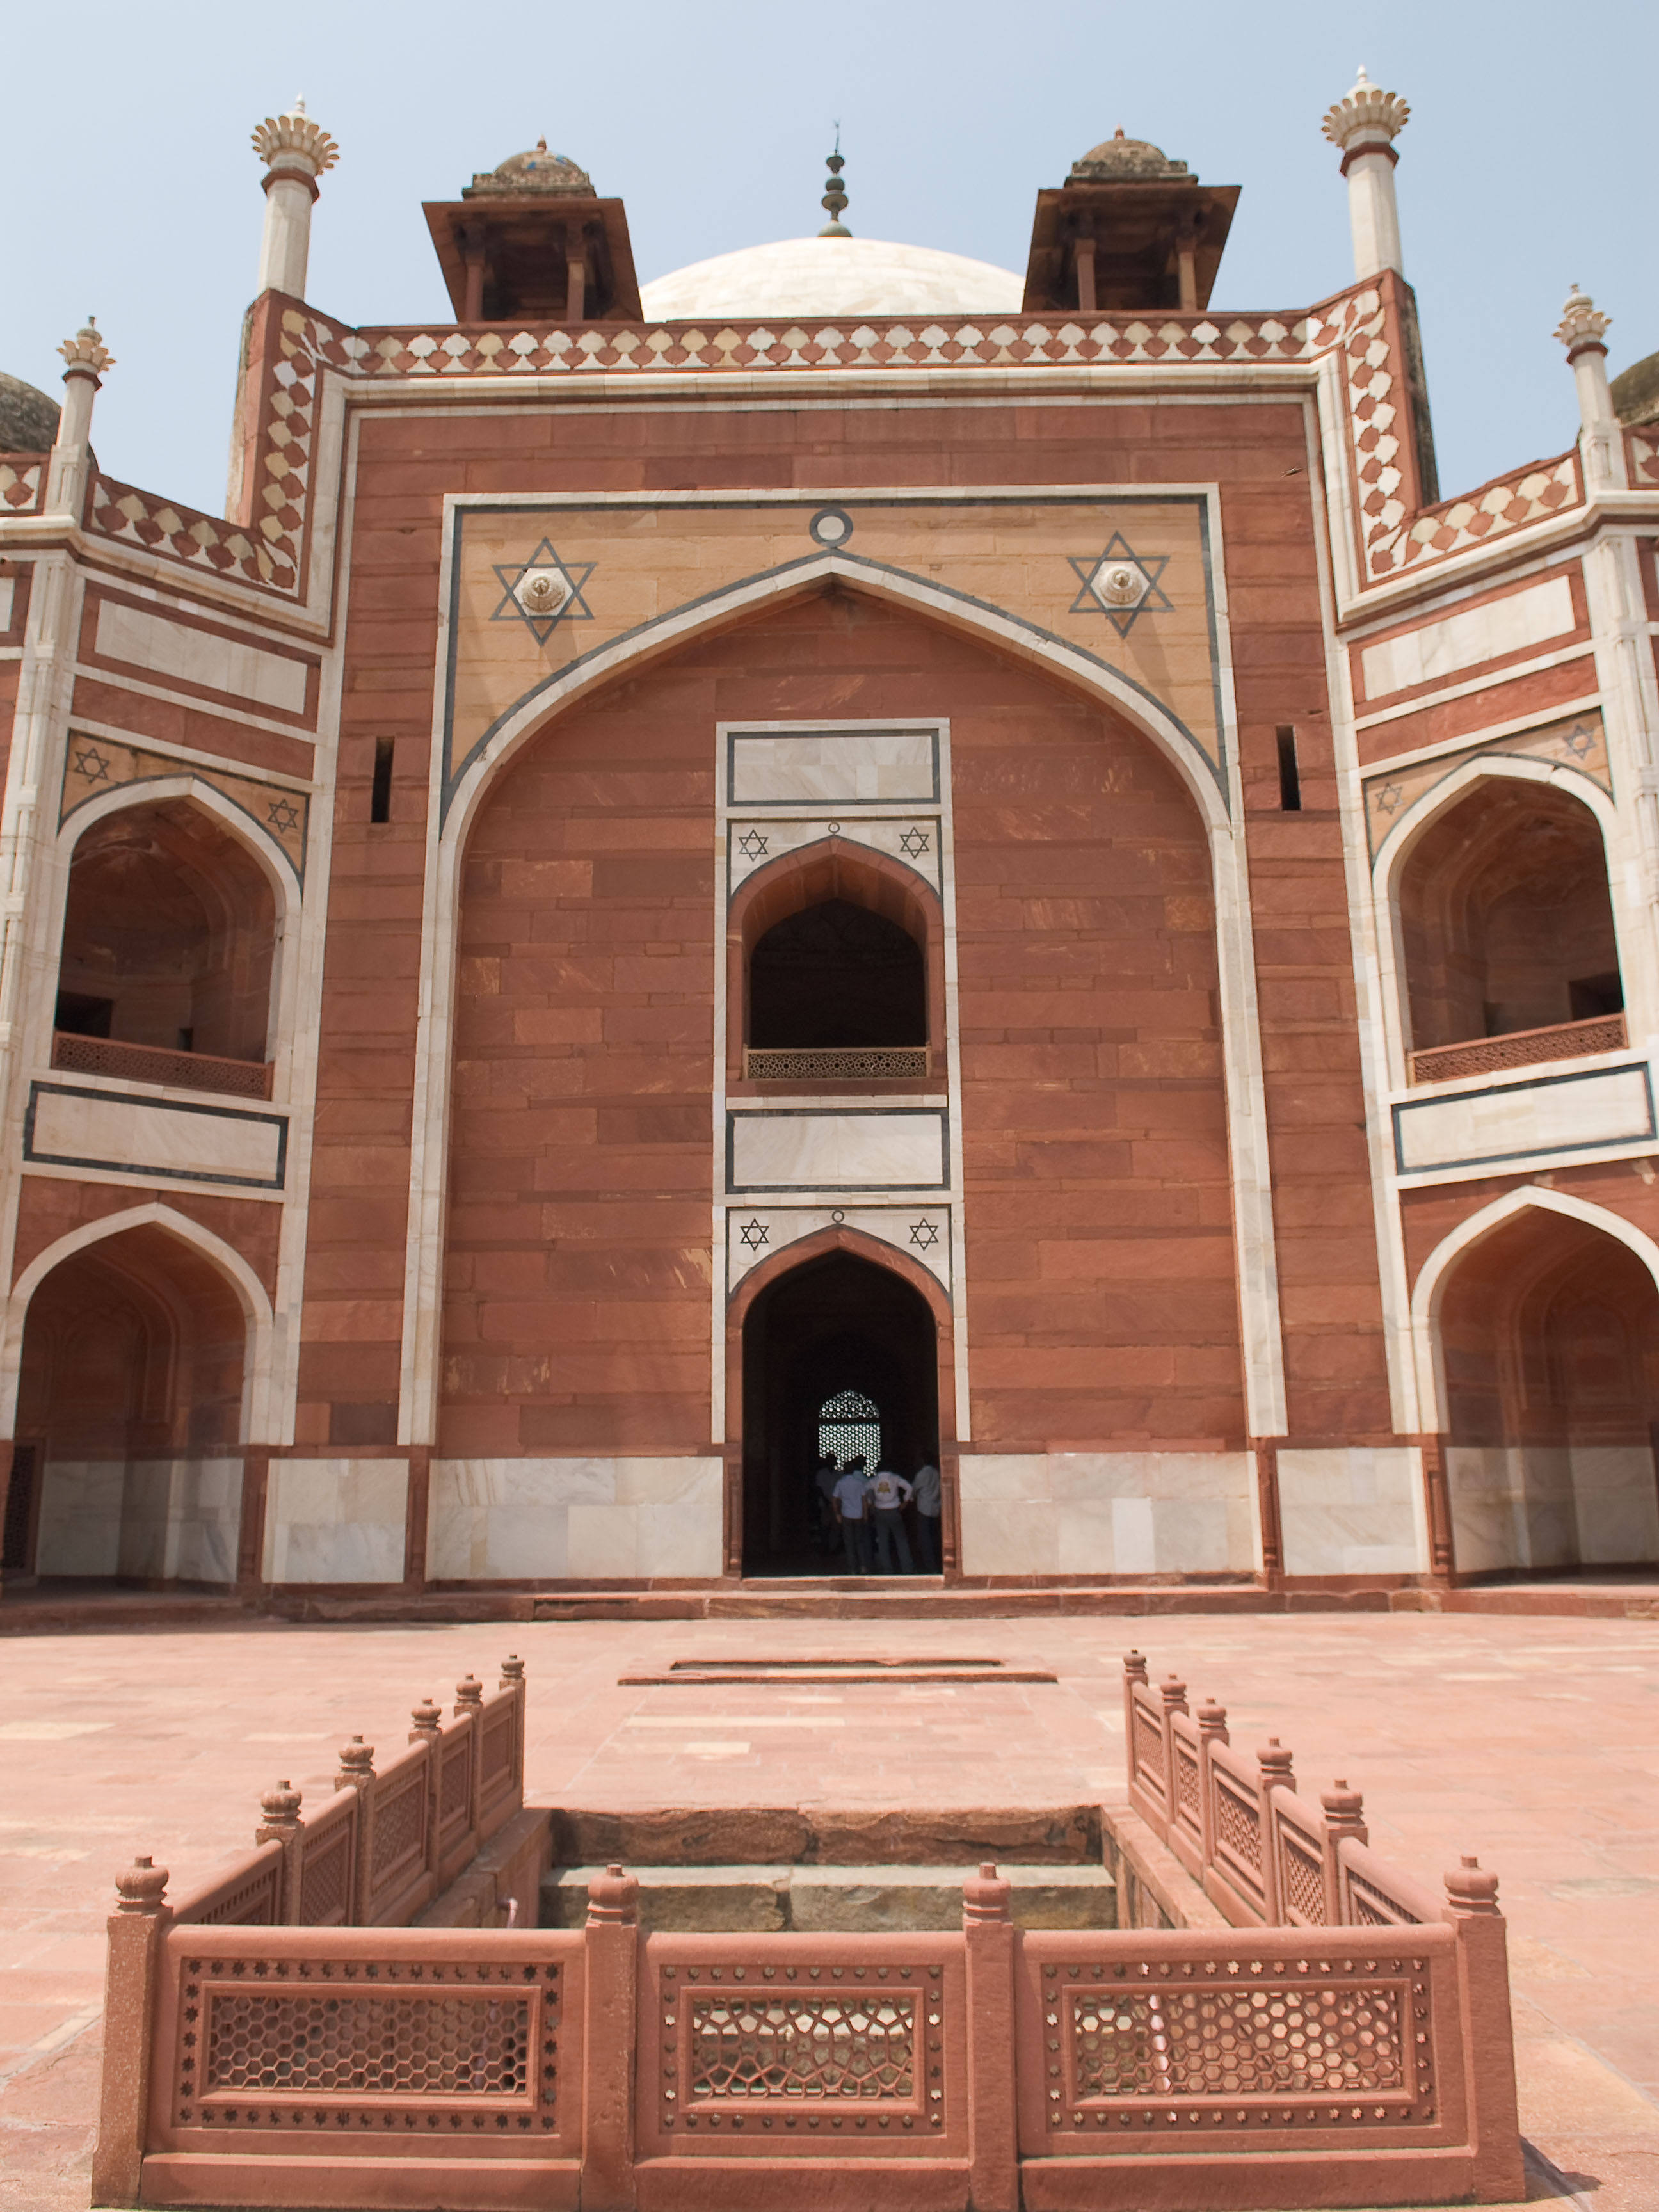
(453, 771)
(278, 1121)
(1535, 1152)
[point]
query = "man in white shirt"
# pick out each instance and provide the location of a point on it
(890, 1494)
(850, 1494)
(929, 1507)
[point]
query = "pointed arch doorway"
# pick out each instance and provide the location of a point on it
(839, 1354)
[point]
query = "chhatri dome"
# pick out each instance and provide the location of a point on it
(833, 274)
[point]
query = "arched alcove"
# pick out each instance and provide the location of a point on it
(1505, 922)
(130, 1405)
(168, 940)
(1549, 1340)
(837, 1326)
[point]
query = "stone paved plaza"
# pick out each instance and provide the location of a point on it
(1533, 1743)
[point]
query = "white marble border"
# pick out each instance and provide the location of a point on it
(1257, 1270)
(938, 811)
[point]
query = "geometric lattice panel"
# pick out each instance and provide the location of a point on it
(328, 2042)
(1232, 2042)
(803, 2046)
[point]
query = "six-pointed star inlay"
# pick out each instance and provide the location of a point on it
(542, 592)
(754, 1234)
(1120, 583)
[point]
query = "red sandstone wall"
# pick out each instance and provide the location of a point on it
(1100, 1248)
(1314, 1107)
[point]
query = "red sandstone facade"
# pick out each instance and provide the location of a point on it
(1020, 863)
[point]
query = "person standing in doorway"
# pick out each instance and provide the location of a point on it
(890, 1494)
(852, 1492)
(929, 1506)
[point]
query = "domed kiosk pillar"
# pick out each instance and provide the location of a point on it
(1600, 441)
(1364, 123)
(297, 152)
(86, 357)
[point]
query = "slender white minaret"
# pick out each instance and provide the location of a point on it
(1600, 440)
(296, 151)
(86, 357)
(1364, 124)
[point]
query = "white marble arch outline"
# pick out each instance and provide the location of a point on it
(1619, 853)
(259, 1420)
(274, 865)
(1428, 1359)
(1256, 1260)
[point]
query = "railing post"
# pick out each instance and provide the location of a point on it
(1483, 1988)
(428, 1720)
(469, 1698)
(612, 2042)
(135, 1928)
(512, 1679)
(357, 1772)
(1345, 1816)
(1211, 1729)
(1274, 1770)
(1173, 1691)
(281, 1825)
(1134, 1673)
(987, 1936)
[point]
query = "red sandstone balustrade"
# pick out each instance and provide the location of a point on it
(378, 1849)
(1447, 1063)
(1010, 2070)
(148, 1063)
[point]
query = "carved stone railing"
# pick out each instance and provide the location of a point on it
(1263, 1855)
(1450, 1063)
(150, 1063)
(1346, 2024)
(839, 1064)
(381, 1848)
(990, 2066)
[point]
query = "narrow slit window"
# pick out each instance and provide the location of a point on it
(1290, 776)
(379, 794)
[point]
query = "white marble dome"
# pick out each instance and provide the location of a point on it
(836, 276)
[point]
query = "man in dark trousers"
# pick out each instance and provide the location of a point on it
(851, 1498)
(890, 1494)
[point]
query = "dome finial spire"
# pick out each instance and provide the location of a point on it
(834, 199)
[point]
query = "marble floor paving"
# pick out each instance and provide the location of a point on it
(1533, 1743)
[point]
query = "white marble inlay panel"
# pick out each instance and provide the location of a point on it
(86, 1127)
(1351, 1511)
(506, 1520)
(180, 1519)
(7, 590)
(168, 648)
(913, 839)
(1609, 1108)
(755, 1233)
(1108, 1513)
(847, 768)
(336, 1520)
(776, 1150)
(1550, 1505)
(80, 1527)
(1507, 625)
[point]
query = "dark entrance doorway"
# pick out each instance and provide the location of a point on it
(836, 1352)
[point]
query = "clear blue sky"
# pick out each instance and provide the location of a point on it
(1527, 164)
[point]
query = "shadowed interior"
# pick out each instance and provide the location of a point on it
(836, 1323)
(1505, 920)
(168, 933)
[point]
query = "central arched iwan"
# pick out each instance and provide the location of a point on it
(1102, 1305)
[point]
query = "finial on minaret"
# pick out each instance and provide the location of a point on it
(1582, 329)
(297, 152)
(85, 359)
(834, 199)
(1365, 123)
